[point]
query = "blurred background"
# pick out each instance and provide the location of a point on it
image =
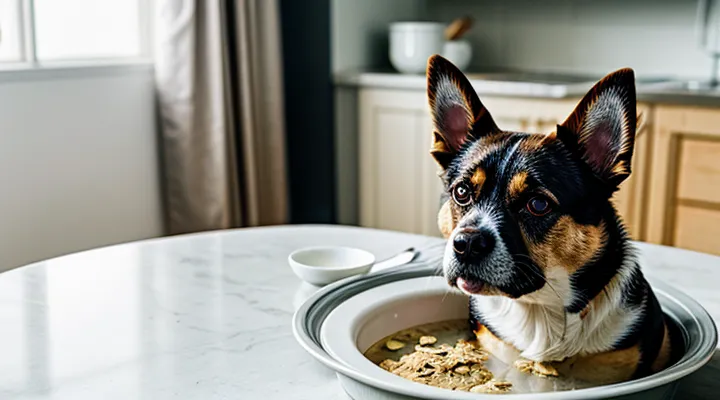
(123, 120)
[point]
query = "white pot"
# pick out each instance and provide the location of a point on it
(412, 43)
(458, 52)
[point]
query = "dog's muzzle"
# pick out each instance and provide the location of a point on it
(473, 245)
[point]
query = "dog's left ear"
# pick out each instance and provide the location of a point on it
(602, 127)
(457, 113)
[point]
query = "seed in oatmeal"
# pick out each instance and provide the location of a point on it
(462, 370)
(492, 386)
(443, 349)
(394, 345)
(524, 365)
(542, 370)
(427, 340)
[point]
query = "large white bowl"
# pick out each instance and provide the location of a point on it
(339, 322)
(356, 324)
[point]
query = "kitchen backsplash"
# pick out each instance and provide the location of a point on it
(656, 37)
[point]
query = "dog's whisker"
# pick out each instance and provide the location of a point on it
(447, 291)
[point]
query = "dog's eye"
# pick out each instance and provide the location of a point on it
(461, 194)
(538, 206)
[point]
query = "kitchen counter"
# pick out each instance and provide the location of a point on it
(541, 86)
(208, 316)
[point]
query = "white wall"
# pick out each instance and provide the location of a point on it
(360, 30)
(78, 161)
(655, 37)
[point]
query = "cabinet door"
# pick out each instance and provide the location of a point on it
(399, 184)
(684, 197)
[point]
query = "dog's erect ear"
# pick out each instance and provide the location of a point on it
(602, 127)
(458, 114)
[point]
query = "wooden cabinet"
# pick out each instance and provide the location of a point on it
(399, 184)
(684, 194)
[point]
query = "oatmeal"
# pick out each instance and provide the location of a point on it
(458, 367)
(445, 354)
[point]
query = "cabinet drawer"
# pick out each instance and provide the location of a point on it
(699, 170)
(697, 229)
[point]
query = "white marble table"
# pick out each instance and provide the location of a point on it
(207, 316)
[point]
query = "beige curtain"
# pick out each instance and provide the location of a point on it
(218, 72)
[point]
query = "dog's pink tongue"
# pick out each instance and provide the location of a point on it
(470, 287)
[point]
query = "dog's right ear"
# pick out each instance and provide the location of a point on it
(602, 128)
(457, 113)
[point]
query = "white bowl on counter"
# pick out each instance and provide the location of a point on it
(323, 265)
(458, 52)
(412, 43)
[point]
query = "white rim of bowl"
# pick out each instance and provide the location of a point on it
(416, 26)
(342, 346)
(366, 253)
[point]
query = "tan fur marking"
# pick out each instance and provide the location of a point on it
(549, 138)
(439, 144)
(568, 245)
(663, 357)
(439, 148)
(533, 143)
(478, 178)
(602, 368)
(518, 184)
(507, 353)
(620, 168)
(585, 312)
(446, 222)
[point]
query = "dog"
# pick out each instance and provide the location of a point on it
(533, 238)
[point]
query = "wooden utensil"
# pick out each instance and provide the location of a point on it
(458, 28)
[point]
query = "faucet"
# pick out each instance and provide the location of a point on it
(707, 26)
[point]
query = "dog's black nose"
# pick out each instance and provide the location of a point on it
(472, 246)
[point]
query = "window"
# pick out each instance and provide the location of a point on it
(10, 31)
(72, 30)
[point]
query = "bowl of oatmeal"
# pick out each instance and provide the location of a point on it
(403, 334)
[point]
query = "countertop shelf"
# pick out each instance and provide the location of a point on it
(536, 85)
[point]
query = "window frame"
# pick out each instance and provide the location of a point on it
(28, 44)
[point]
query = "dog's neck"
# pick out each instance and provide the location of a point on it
(547, 326)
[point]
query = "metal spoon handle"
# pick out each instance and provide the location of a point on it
(402, 258)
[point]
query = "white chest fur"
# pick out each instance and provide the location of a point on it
(542, 330)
